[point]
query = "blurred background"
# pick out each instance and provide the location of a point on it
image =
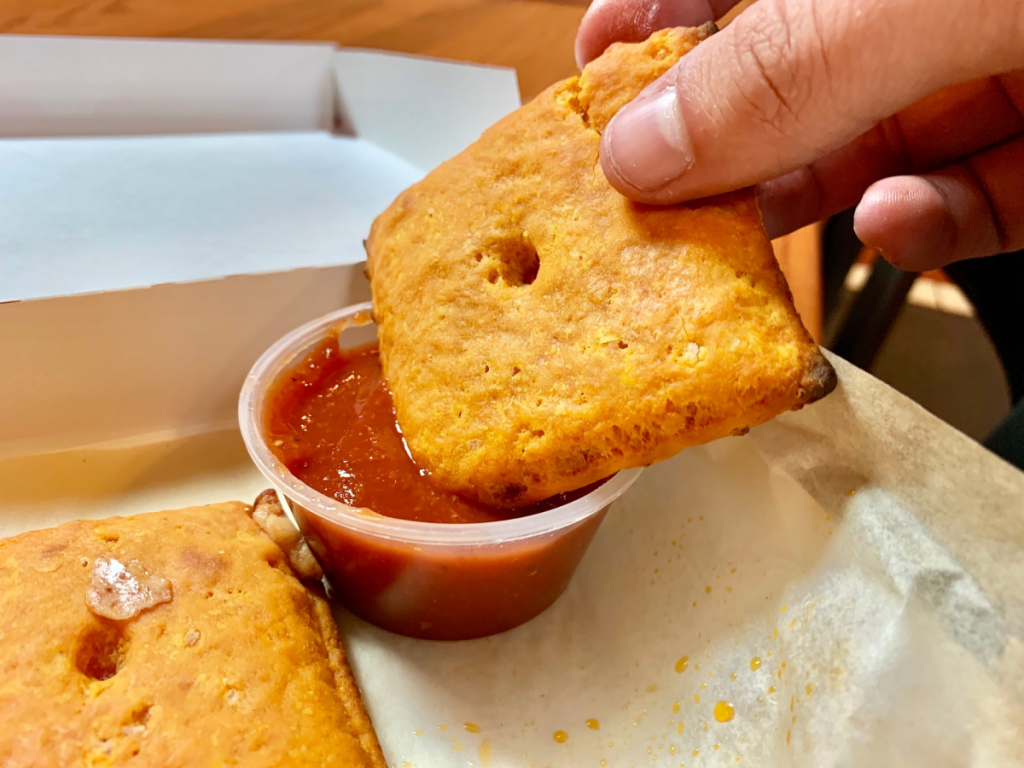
(920, 334)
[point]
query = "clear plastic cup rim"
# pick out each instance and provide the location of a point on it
(288, 350)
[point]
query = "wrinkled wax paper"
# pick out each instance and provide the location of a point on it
(842, 587)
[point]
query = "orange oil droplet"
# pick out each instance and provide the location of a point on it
(694, 603)
(652, 688)
(733, 676)
(789, 735)
(682, 663)
(775, 632)
(697, 666)
(696, 751)
(418, 731)
(717, 747)
(852, 492)
(792, 702)
(442, 728)
(724, 712)
(771, 689)
(703, 686)
(755, 663)
(561, 737)
(484, 752)
(603, 762)
(471, 727)
(733, 571)
(696, 698)
(679, 728)
(783, 665)
(784, 608)
(708, 589)
(729, 590)
(675, 707)
(809, 689)
(593, 725)
(701, 517)
(671, 749)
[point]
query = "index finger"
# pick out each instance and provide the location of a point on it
(633, 21)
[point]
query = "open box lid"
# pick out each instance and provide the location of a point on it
(129, 164)
(164, 189)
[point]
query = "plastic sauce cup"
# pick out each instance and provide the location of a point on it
(436, 581)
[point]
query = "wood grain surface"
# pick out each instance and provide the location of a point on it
(534, 37)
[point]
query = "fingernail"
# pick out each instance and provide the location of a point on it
(647, 142)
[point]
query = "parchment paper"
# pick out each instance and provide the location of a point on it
(869, 557)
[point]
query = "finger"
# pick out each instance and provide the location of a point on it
(631, 21)
(964, 211)
(791, 80)
(927, 135)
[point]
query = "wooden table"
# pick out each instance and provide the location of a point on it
(535, 37)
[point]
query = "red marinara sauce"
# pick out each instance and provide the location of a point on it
(331, 421)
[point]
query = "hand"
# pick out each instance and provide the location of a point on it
(911, 109)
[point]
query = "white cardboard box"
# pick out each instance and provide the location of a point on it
(868, 556)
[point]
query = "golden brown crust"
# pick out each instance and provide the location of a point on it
(539, 331)
(242, 666)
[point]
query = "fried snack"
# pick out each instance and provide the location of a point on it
(220, 655)
(539, 331)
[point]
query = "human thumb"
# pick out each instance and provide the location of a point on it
(790, 80)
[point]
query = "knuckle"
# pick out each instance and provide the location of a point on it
(781, 61)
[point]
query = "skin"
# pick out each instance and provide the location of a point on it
(912, 110)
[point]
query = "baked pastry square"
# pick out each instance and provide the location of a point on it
(176, 638)
(540, 332)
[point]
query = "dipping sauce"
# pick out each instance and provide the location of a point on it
(319, 406)
(331, 421)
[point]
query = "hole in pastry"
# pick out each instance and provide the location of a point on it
(517, 261)
(139, 715)
(110, 538)
(516, 370)
(623, 345)
(102, 648)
